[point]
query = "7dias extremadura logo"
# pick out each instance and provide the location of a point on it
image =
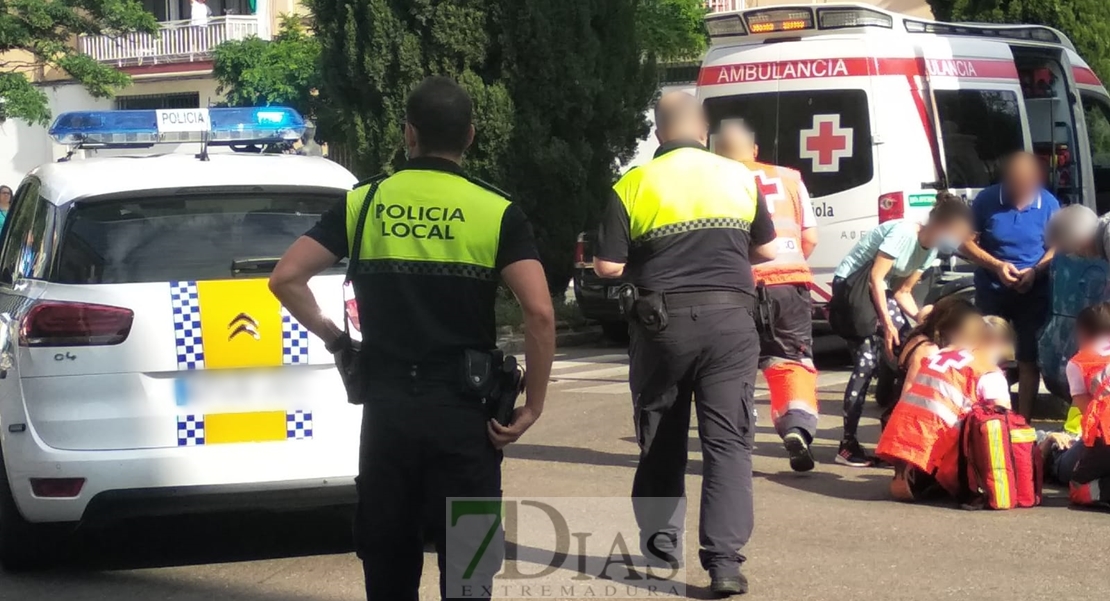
(565, 547)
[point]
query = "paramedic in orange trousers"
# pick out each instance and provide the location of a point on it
(786, 340)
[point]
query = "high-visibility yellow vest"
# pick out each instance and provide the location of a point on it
(427, 222)
(685, 190)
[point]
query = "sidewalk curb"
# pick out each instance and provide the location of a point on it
(580, 337)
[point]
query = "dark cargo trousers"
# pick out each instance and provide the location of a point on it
(422, 443)
(708, 354)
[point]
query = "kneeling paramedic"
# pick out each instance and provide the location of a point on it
(427, 247)
(680, 231)
(1089, 382)
(785, 312)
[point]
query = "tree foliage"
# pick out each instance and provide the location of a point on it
(38, 34)
(1085, 22)
(285, 71)
(560, 89)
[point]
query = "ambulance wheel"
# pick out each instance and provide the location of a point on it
(616, 331)
(25, 546)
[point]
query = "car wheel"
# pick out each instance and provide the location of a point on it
(617, 331)
(25, 546)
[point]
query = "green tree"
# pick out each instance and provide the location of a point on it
(560, 89)
(672, 30)
(376, 51)
(38, 34)
(1085, 22)
(284, 71)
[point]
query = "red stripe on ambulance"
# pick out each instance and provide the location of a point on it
(823, 68)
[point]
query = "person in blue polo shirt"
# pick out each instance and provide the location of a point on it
(1013, 258)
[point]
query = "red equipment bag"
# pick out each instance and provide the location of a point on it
(999, 465)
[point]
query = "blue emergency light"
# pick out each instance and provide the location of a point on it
(214, 126)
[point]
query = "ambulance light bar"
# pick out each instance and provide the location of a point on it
(1031, 33)
(840, 18)
(776, 20)
(215, 126)
(794, 19)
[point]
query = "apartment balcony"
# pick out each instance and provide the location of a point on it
(177, 42)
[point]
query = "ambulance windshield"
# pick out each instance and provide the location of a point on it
(824, 134)
(165, 237)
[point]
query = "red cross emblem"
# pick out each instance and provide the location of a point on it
(826, 143)
(942, 362)
(770, 188)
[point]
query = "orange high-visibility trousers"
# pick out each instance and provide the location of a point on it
(793, 388)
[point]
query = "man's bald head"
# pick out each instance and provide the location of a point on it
(736, 141)
(679, 116)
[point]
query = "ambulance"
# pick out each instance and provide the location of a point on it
(145, 367)
(879, 111)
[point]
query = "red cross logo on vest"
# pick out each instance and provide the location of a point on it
(826, 143)
(770, 188)
(957, 359)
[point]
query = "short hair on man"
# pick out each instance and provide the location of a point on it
(441, 112)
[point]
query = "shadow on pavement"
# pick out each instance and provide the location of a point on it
(872, 486)
(208, 539)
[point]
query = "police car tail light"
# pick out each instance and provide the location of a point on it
(891, 206)
(580, 251)
(54, 323)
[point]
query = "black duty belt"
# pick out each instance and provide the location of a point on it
(438, 371)
(685, 300)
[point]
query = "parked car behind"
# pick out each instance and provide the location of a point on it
(596, 296)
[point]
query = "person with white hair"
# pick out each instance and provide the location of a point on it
(1077, 230)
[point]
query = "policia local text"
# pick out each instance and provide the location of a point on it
(407, 221)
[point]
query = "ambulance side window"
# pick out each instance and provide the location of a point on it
(978, 128)
(1097, 111)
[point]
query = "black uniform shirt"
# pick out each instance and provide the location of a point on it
(695, 260)
(417, 318)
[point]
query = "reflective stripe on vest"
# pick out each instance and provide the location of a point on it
(937, 408)
(687, 190)
(426, 222)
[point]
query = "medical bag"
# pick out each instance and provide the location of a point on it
(998, 464)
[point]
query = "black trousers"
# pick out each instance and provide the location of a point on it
(791, 339)
(708, 354)
(421, 444)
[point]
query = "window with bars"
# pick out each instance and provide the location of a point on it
(184, 100)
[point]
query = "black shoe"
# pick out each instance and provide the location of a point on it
(851, 454)
(801, 459)
(729, 585)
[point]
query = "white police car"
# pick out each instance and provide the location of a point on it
(145, 367)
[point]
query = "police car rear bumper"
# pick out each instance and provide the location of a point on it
(288, 475)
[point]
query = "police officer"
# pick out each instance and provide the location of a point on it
(683, 230)
(434, 245)
(786, 345)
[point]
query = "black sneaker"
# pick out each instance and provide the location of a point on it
(801, 459)
(851, 454)
(728, 586)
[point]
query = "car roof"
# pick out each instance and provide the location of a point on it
(64, 182)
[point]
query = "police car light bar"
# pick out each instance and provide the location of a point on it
(215, 126)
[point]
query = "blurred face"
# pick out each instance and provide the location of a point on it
(967, 333)
(1023, 181)
(5, 197)
(946, 237)
(736, 143)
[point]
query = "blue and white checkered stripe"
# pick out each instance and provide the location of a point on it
(186, 325)
(190, 430)
(298, 425)
(294, 340)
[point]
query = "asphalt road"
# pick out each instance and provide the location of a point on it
(830, 534)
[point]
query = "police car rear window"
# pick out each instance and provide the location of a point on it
(824, 134)
(173, 237)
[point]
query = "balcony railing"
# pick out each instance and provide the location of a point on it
(177, 42)
(720, 6)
